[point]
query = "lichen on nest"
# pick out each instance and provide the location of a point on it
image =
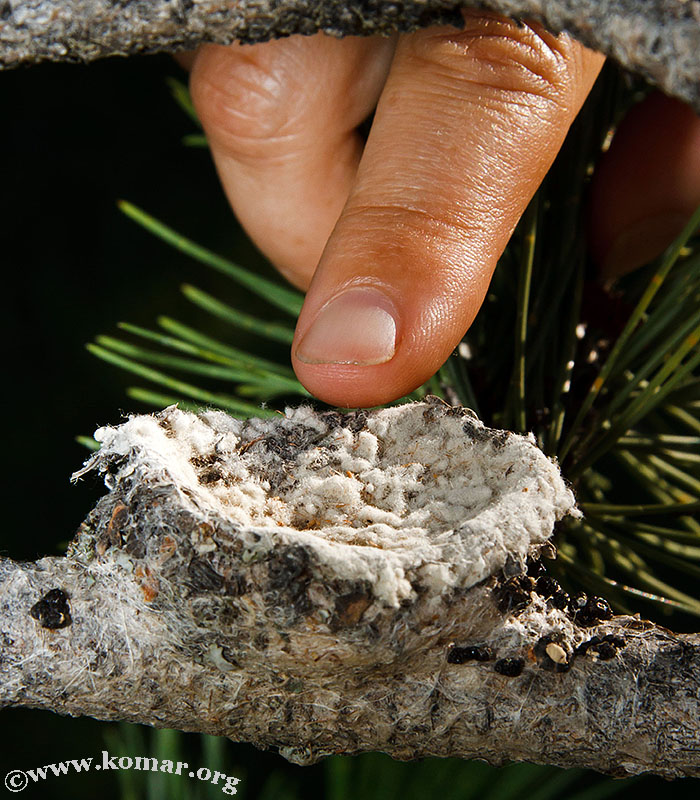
(418, 497)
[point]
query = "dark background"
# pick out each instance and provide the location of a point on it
(74, 139)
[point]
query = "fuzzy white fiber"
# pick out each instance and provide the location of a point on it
(409, 495)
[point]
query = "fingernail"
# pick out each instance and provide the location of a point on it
(641, 243)
(357, 326)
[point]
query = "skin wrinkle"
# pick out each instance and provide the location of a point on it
(410, 249)
(455, 230)
(460, 220)
(525, 57)
(276, 110)
(440, 243)
(504, 163)
(462, 107)
(490, 76)
(233, 95)
(295, 151)
(528, 33)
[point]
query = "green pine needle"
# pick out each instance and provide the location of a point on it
(195, 140)
(208, 398)
(159, 400)
(207, 348)
(641, 510)
(288, 300)
(173, 362)
(521, 324)
(89, 442)
(181, 95)
(268, 330)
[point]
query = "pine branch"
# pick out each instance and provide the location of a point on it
(658, 39)
(324, 636)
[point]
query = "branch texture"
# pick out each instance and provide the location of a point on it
(658, 39)
(326, 583)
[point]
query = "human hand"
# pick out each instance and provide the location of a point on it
(396, 239)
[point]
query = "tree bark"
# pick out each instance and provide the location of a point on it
(171, 610)
(658, 39)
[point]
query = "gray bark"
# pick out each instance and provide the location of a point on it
(658, 39)
(170, 612)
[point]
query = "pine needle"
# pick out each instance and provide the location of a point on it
(521, 324)
(288, 300)
(639, 510)
(181, 95)
(268, 330)
(212, 345)
(223, 354)
(237, 407)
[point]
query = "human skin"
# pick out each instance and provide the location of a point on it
(395, 239)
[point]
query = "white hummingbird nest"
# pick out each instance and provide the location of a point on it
(415, 498)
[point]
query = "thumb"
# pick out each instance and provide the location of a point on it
(467, 126)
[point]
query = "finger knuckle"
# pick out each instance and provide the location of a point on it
(501, 58)
(242, 102)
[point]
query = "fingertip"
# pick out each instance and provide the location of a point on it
(362, 386)
(379, 336)
(342, 351)
(347, 385)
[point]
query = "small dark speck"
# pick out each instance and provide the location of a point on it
(513, 595)
(52, 611)
(210, 477)
(595, 609)
(617, 641)
(203, 577)
(605, 651)
(535, 569)
(548, 551)
(560, 600)
(547, 586)
(510, 667)
(584, 647)
(578, 601)
(229, 655)
(460, 655)
(603, 648)
(181, 8)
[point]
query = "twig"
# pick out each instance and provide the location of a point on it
(658, 39)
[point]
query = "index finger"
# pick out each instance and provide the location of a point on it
(467, 126)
